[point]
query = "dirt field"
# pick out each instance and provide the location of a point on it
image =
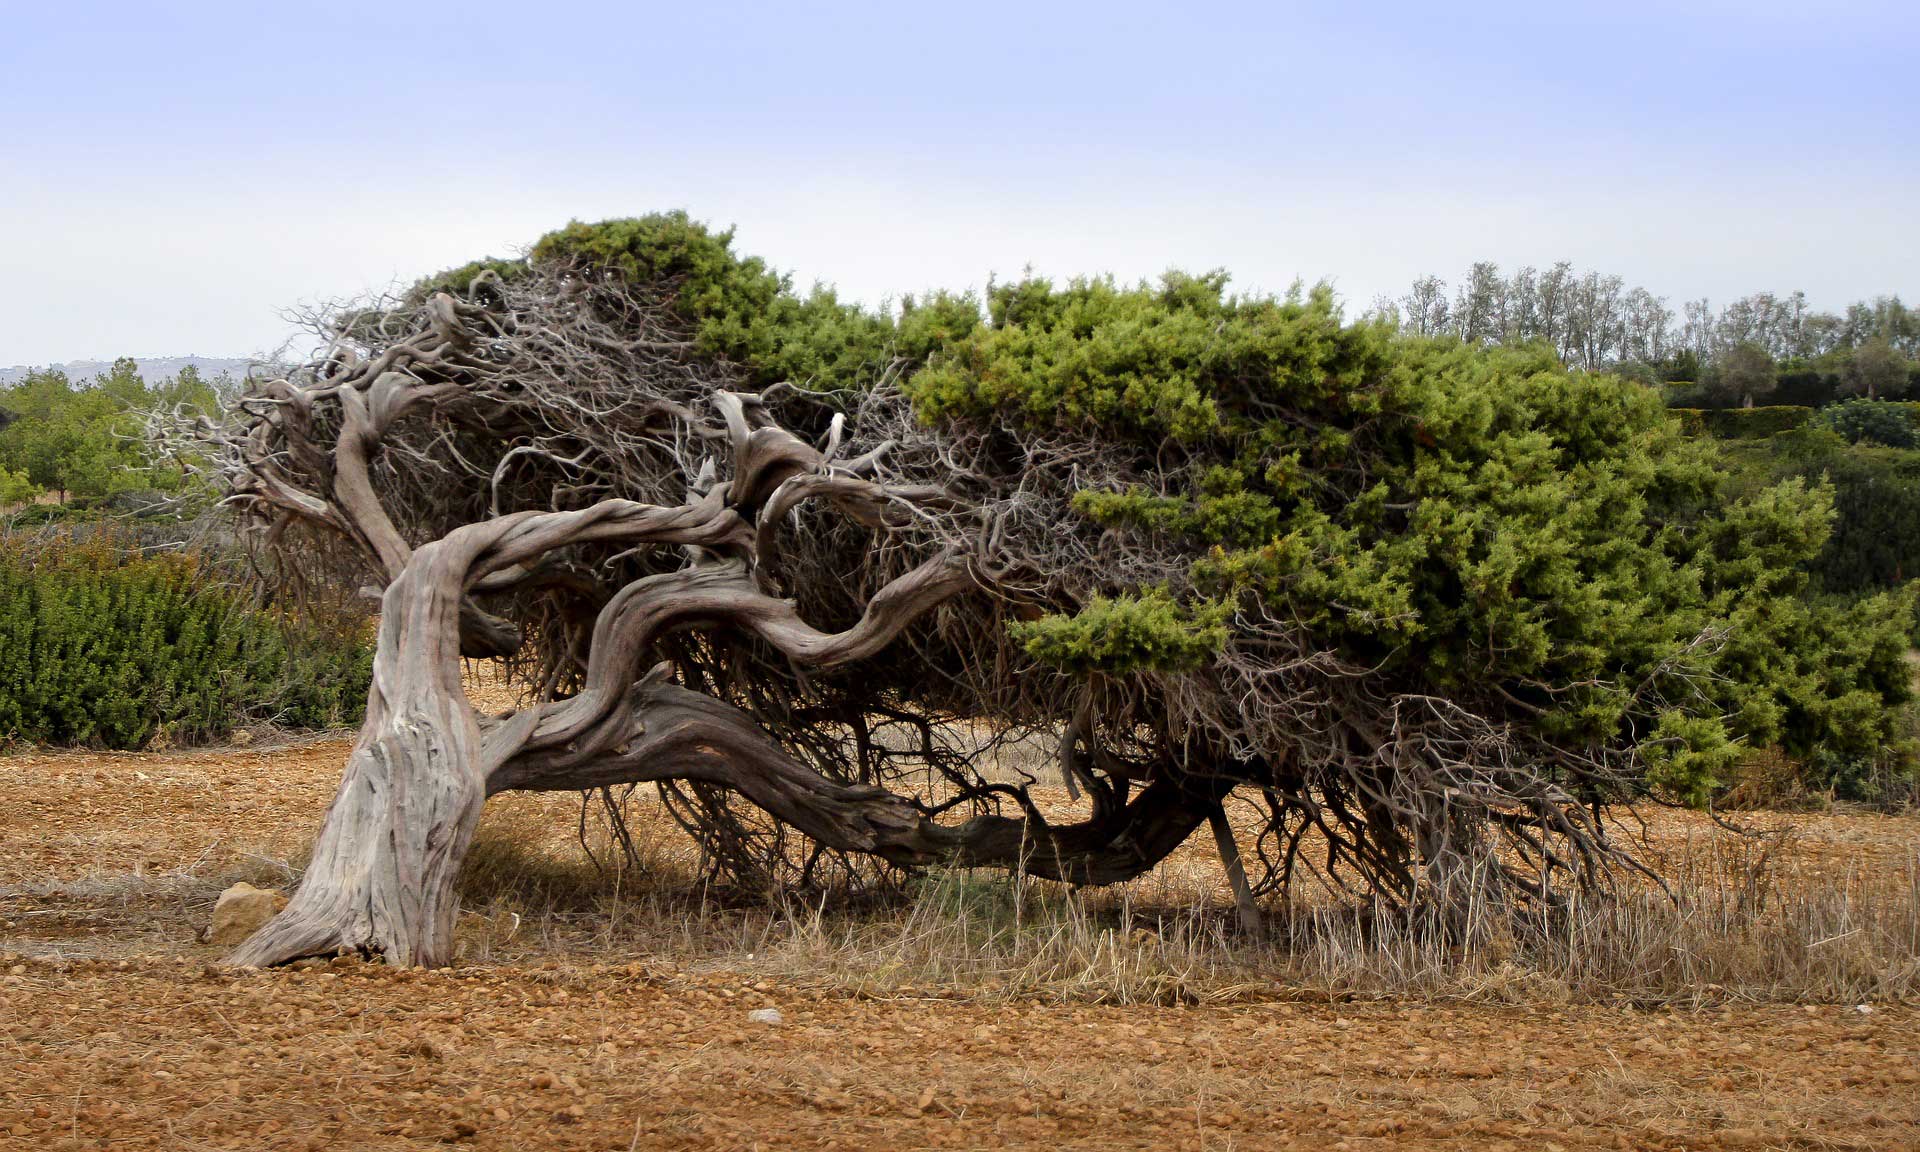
(119, 1029)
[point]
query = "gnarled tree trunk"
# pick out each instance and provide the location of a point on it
(384, 868)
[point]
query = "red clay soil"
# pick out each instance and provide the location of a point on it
(134, 1037)
(180, 1055)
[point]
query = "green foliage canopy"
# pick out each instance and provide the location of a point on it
(1439, 520)
(1475, 523)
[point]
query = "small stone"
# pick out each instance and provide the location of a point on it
(765, 1016)
(240, 912)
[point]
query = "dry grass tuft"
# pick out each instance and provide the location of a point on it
(1741, 919)
(994, 937)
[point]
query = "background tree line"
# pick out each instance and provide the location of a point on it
(85, 441)
(1759, 347)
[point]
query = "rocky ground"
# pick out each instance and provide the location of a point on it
(118, 1027)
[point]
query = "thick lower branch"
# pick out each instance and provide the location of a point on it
(683, 735)
(385, 863)
(724, 594)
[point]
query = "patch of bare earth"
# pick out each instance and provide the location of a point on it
(173, 1054)
(119, 1029)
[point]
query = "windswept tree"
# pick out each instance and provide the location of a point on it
(1427, 608)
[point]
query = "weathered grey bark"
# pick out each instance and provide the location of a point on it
(1245, 908)
(384, 867)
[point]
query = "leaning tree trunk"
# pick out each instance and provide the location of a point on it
(383, 877)
(384, 867)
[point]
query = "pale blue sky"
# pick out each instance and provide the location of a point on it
(176, 174)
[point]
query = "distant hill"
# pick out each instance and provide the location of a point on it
(153, 368)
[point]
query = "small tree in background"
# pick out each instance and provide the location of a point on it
(1745, 373)
(1875, 370)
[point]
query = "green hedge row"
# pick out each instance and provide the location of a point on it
(1743, 423)
(1769, 420)
(103, 646)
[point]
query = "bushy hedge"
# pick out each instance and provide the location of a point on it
(1693, 421)
(1873, 421)
(1742, 423)
(1803, 386)
(103, 646)
(1757, 423)
(1895, 423)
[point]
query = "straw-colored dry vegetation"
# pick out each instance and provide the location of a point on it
(1804, 908)
(1768, 1003)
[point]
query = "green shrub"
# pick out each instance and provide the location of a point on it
(1742, 423)
(1875, 541)
(1693, 421)
(104, 646)
(1878, 421)
(1127, 634)
(1862, 778)
(1756, 423)
(35, 516)
(459, 281)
